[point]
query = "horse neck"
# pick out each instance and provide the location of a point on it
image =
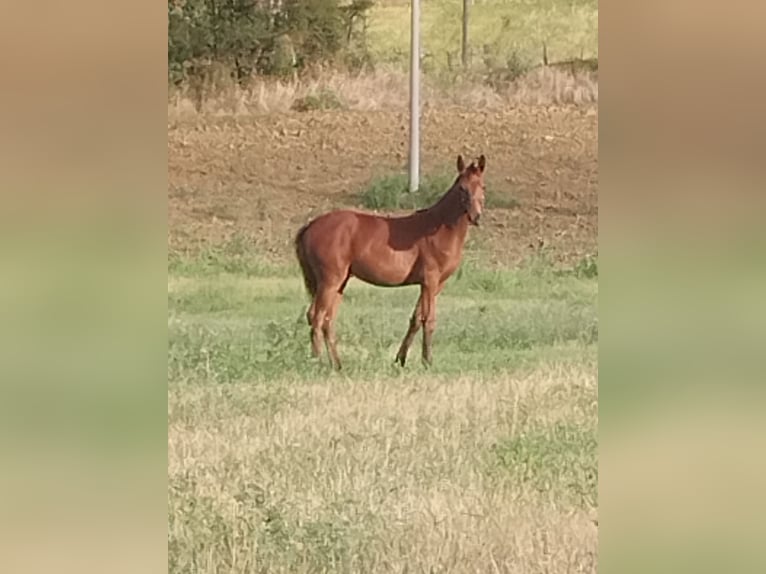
(447, 213)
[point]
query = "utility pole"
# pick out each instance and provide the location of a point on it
(415, 96)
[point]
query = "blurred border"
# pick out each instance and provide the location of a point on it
(83, 296)
(682, 313)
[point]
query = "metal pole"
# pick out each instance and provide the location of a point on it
(415, 96)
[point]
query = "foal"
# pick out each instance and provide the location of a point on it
(423, 248)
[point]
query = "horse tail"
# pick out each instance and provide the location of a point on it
(309, 277)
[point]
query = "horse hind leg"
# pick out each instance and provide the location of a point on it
(331, 296)
(325, 307)
(328, 330)
(310, 311)
(315, 317)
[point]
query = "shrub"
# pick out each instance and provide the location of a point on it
(392, 192)
(587, 267)
(500, 75)
(247, 36)
(323, 99)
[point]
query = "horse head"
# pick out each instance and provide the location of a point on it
(470, 183)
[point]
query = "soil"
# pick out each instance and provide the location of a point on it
(259, 178)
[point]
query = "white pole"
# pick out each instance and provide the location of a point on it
(415, 96)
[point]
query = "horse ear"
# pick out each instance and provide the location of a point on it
(460, 164)
(482, 163)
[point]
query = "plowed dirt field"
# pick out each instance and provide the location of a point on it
(261, 177)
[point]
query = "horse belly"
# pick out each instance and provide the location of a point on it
(386, 267)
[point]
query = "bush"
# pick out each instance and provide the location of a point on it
(248, 36)
(235, 32)
(392, 192)
(587, 267)
(501, 75)
(323, 99)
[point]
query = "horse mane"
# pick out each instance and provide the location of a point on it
(440, 203)
(472, 168)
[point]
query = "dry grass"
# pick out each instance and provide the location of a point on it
(384, 90)
(384, 475)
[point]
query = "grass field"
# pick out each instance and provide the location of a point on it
(498, 29)
(485, 462)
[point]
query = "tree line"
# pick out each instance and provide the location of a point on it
(264, 37)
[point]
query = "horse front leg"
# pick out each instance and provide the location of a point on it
(415, 321)
(428, 318)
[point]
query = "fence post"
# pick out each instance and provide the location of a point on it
(464, 43)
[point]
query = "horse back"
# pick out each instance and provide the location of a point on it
(376, 249)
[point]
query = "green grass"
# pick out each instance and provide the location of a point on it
(392, 192)
(510, 30)
(249, 326)
(559, 459)
(278, 464)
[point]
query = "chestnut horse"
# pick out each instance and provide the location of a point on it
(423, 248)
